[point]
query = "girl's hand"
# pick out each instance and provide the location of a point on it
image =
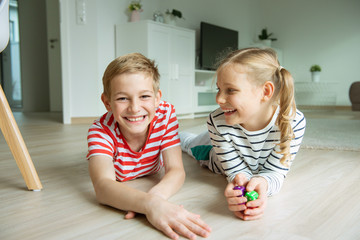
(236, 203)
(255, 209)
(173, 219)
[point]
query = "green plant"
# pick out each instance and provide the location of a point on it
(265, 35)
(175, 13)
(135, 6)
(315, 68)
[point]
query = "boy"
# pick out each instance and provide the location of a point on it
(136, 137)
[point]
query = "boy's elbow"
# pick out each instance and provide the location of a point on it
(100, 193)
(181, 175)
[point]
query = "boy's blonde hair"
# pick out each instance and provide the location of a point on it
(130, 63)
(263, 65)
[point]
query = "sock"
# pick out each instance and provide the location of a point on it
(201, 152)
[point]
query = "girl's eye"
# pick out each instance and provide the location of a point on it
(230, 90)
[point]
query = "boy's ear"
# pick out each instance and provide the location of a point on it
(106, 102)
(158, 96)
(268, 90)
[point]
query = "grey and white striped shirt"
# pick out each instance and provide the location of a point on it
(253, 153)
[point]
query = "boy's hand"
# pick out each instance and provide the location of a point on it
(172, 220)
(255, 209)
(236, 203)
(130, 215)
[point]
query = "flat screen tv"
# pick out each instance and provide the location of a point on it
(215, 41)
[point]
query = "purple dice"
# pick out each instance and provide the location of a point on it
(241, 188)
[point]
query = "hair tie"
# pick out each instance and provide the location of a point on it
(280, 67)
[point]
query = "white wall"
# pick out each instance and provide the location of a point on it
(317, 32)
(308, 32)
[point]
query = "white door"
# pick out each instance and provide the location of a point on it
(54, 54)
(183, 70)
(159, 47)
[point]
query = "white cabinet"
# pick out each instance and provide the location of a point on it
(173, 49)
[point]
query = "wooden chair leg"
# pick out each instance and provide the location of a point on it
(17, 145)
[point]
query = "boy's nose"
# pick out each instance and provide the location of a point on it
(134, 106)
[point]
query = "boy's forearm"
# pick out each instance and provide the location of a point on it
(170, 183)
(174, 173)
(121, 196)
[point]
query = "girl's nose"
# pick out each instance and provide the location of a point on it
(220, 99)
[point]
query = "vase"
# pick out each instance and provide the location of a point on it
(266, 42)
(315, 76)
(170, 19)
(135, 16)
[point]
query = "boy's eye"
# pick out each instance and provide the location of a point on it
(145, 96)
(121, 99)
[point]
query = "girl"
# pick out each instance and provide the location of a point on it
(256, 132)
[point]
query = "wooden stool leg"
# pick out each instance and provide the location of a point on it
(17, 145)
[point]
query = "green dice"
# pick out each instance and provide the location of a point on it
(251, 195)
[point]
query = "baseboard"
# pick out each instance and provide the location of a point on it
(83, 120)
(327, 107)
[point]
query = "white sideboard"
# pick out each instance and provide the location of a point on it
(173, 49)
(316, 93)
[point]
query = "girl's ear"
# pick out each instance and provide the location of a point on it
(268, 91)
(158, 96)
(106, 102)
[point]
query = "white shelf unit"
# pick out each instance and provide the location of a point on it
(205, 92)
(173, 49)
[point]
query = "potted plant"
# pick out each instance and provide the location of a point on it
(265, 37)
(170, 16)
(315, 72)
(135, 8)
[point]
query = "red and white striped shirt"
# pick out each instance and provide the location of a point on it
(104, 138)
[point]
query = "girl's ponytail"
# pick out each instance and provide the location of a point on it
(286, 114)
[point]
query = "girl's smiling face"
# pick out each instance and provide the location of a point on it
(133, 103)
(240, 98)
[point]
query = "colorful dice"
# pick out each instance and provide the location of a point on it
(251, 195)
(241, 188)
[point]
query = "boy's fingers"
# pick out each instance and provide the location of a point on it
(201, 227)
(130, 215)
(184, 231)
(169, 232)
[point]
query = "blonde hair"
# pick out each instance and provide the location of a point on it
(130, 63)
(264, 66)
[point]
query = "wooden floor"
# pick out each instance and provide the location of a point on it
(320, 198)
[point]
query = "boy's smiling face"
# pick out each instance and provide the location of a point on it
(133, 102)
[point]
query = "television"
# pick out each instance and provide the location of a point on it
(215, 41)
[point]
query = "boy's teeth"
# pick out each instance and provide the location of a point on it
(227, 110)
(135, 119)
